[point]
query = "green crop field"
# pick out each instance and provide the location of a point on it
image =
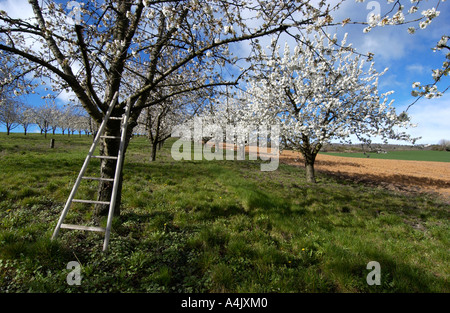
(410, 155)
(212, 226)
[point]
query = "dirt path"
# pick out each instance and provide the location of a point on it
(392, 174)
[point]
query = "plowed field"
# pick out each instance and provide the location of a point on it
(391, 174)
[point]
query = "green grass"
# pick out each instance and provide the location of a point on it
(410, 155)
(204, 226)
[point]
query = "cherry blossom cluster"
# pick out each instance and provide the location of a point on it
(431, 90)
(420, 18)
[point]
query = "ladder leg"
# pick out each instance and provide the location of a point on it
(66, 208)
(112, 204)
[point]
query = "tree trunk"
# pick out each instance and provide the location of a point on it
(310, 176)
(110, 147)
(309, 166)
(154, 149)
(309, 152)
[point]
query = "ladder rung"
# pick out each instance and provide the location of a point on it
(80, 227)
(90, 201)
(98, 178)
(104, 157)
(115, 118)
(110, 137)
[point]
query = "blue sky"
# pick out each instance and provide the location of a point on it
(408, 57)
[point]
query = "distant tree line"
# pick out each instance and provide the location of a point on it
(443, 145)
(48, 117)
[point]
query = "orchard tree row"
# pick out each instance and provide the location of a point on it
(48, 117)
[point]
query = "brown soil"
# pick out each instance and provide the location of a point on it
(401, 175)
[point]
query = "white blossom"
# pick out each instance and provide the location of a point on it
(424, 24)
(442, 42)
(374, 19)
(430, 13)
(228, 29)
(413, 9)
(167, 11)
(398, 18)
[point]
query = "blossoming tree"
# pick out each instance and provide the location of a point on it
(10, 114)
(224, 121)
(320, 92)
(157, 122)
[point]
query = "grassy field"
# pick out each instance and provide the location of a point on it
(204, 226)
(410, 155)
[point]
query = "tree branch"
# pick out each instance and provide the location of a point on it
(88, 70)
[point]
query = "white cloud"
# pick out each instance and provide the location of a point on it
(65, 97)
(385, 44)
(431, 117)
(21, 9)
(17, 8)
(389, 81)
(417, 68)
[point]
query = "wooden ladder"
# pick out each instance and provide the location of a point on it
(115, 180)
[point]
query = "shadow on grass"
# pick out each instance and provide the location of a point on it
(396, 275)
(397, 179)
